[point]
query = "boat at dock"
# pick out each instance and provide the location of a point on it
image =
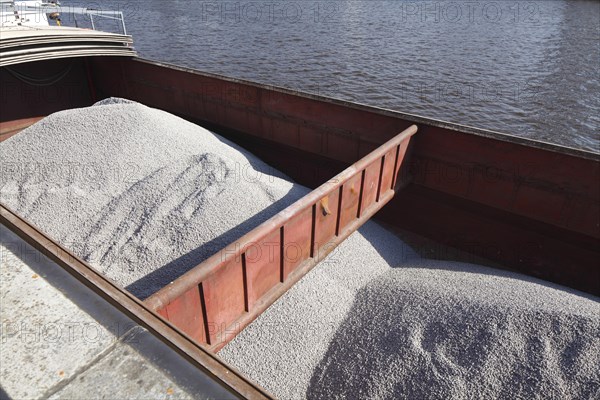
(523, 205)
(28, 36)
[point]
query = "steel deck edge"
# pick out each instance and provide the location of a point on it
(414, 118)
(125, 302)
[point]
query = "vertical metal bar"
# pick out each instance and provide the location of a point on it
(380, 178)
(281, 255)
(204, 313)
(245, 278)
(313, 229)
(360, 193)
(394, 176)
(123, 23)
(92, 21)
(339, 213)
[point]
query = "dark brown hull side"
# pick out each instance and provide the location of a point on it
(530, 206)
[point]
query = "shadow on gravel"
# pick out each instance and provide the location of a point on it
(362, 359)
(264, 170)
(403, 253)
(174, 269)
(407, 342)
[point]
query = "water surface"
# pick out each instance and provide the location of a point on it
(526, 68)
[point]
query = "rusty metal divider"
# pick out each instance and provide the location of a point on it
(215, 300)
(11, 128)
(197, 355)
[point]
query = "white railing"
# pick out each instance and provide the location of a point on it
(37, 13)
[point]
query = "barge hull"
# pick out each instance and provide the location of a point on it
(529, 206)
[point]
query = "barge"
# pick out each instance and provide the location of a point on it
(527, 206)
(530, 206)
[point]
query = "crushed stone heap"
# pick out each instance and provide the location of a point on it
(143, 196)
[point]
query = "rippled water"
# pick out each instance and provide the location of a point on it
(525, 68)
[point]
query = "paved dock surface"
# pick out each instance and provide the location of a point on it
(59, 339)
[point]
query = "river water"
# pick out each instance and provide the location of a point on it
(527, 68)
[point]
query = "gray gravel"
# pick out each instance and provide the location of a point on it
(143, 196)
(140, 194)
(443, 331)
(424, 330)
(284, 345)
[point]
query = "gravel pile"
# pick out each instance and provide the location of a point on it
(356, 328)
(140, 194)
(143, 195)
